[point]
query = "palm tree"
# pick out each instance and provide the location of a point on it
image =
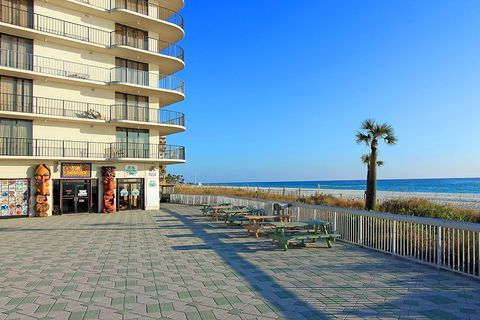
(370, 133)
(366, 160)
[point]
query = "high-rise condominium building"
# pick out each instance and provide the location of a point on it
(83, 86)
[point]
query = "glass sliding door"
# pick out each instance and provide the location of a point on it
(133, 143)
(16, 94)
(17, 12)
(15, 137)
(131, 71)
(131, 107)
(131, 37)
(16, 52)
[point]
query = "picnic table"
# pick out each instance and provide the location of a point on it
(286, 233)
(208, 207)
(257, 223)
(230, 215)
(233, 216)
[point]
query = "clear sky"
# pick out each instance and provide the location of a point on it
(277, 89)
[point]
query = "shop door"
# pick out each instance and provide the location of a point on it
(130, 195)
(75, 197)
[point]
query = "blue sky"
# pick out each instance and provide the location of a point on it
(277, 89)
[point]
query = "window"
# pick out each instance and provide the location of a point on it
(16, 52)
(15, 137)
(131, 37)
(16, 94)
(131, 71)
(131, 107)
(132, 143)
(140, 6)
(18, 12)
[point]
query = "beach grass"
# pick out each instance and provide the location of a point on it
(407, 206)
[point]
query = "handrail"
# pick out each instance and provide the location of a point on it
(57, 67)
(445, 244)
(77, 109)
(27, 147)
(145, 8)
(84, 33)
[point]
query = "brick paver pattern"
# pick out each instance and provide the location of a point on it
(177, 264)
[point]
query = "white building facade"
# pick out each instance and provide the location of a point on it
(84, 85)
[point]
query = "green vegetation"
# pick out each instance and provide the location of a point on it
(412, 207)
(370, 134)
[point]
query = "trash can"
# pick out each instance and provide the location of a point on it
(279, 208)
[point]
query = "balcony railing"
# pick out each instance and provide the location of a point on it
(75, 109)
(56, 67)
(145, 78)
(80, 32)
(24, 147)
(145, 8)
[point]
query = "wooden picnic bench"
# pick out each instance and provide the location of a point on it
(286, 233)
(257, 223)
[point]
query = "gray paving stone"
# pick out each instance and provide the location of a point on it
(177, 264)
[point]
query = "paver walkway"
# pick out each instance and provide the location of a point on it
(175, 263)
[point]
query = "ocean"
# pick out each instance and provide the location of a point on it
(451, 185)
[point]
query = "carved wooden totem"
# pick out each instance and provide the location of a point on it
(108, 174)
(42, 177)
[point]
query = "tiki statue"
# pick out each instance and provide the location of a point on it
(42, 177)
(108, 174)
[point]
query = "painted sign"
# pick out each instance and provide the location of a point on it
(152, 174)
(131, 170)
(76, 170)
(135, 192)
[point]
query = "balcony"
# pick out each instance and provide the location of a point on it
(32, 107)
(21, 148)
(22, 23)
(167, 22)
(25, 65)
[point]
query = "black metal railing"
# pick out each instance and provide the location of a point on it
(142, 7)
(25, 147)
(144, 114)
(56, 67)
(80, 32)
(75, 109)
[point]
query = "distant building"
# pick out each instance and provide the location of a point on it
(83, 85)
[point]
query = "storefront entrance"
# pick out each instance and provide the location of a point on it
(76, 196)
(130, 194)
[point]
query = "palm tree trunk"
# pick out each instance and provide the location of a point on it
(371, 196)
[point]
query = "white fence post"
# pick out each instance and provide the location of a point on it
(439, 247)
(335, 221)
(360, 230)
(394, 238)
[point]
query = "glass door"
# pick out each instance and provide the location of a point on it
(130, 194)
(75, 196)
(82, 203)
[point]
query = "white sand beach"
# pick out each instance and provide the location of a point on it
(465, 200)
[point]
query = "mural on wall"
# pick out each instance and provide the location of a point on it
(108, 175)
(42, 178)
(14, 197)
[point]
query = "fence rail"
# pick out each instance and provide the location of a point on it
(84, 33)
(449, 245)
(25, 147)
